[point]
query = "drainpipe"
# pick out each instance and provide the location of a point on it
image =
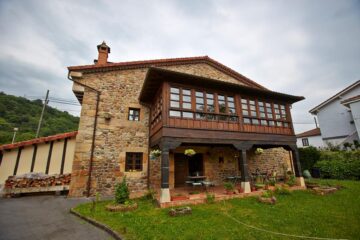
(88, 187)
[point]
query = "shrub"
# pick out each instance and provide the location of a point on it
(229, 186)
(282, 190)
(340, 165)
(210, 198)
(308, 157)
(267, 194)
(291, 181)
(122, 192)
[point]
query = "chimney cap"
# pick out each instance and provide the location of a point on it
(103, 46)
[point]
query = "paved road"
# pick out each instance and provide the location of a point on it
(44, 217)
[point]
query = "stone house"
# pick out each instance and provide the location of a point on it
(131, 108)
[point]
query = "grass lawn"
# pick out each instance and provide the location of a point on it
(301, 213)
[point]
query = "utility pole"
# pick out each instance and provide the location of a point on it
(42, 113)
(15, 130)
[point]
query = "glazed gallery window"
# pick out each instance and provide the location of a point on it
(133, 161)
(134, 114)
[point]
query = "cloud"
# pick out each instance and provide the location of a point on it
(307, 48)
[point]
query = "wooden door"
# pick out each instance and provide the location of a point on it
(181, 169)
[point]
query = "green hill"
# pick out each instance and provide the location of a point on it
(24, 114)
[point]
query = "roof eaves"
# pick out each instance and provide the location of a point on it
(318, 107)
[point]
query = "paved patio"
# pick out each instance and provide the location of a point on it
(44, 217)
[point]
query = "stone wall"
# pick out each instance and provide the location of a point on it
(270, 160)
(119, 90)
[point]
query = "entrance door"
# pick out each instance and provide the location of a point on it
(181, 169)
(185, 166)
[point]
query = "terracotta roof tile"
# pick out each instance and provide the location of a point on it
(165, 62)
(37, 140)
(312, 132)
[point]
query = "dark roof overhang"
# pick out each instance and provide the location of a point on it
(156, 76)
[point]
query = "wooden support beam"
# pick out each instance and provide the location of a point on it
(49, 157)
(63, 156)
(33, 158)
(17, 161)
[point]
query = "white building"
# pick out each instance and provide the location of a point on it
(310, 138)
(339, 115)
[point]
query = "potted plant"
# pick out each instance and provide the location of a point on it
(259, 151)
(189, 152)
(155, 154)
(229, 187)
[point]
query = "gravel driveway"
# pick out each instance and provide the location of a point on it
(44, 217)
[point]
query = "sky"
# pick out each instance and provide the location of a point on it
(307, 48)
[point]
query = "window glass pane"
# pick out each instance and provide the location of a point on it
(174, 97)
(244, 106)
(199, 94)
(278, 116)
(175, 113)
(232, 110)
(252, 107)
(253, 114)
(186, 92)
(262, 114)
(188, 115)
(222, 107)
(270, 115)
(244, 101)
(268, 105)
(244, 112)
(261, 104)
(200, 107)
(279, 124)
(200, 116)
(231, 104)
(174, 90)
(233, 118)
(261, 109)
(271, 123)
(186, 105)
(200, 100)
(210, 95)
(264, 122)
(286, 124)
(210, 108)
(211, 117)
(186, 98)
(255, 121)
(283, 112)
(230, 99)
(282, 107)
(247, 120)
(174, 104)
(221, 97)
(251, 102)
(277, 110)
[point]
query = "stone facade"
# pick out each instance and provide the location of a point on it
(120, 90)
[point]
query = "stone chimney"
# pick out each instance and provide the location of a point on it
(104, 51)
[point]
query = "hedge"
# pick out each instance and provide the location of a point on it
(308, 157)
(339, 164)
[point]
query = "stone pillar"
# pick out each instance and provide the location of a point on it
(165, 192)
(245, 179)
(297, 166)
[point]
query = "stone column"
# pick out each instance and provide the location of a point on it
(297, 167)
(245, 179)
(164, 192)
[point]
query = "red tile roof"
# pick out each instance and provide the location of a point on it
(310, 133)
(166, 62)
(37, 140)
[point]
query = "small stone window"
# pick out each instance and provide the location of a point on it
(133, 162)
(134, 114)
